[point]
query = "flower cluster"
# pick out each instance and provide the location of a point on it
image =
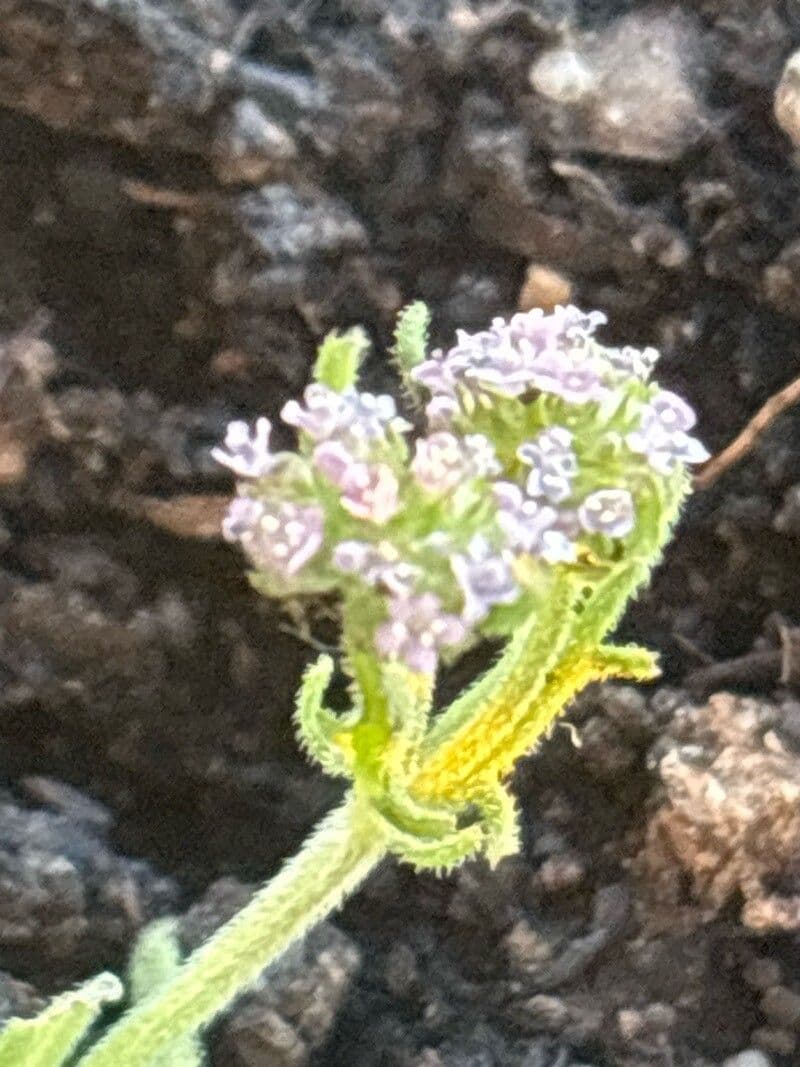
(539, 440)
(551, 353)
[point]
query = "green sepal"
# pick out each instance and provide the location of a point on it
(49, 1039)
(339, 358)
(317, 726)
(404, 815)
(500, 822)
(439, 854)
(629, 661)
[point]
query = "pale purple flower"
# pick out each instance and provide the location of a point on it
(564, 327)
(485, 578)
(242, 518)
(245, 452)
(442, 461)
(608, 511)
(378, 565)
(576, 381)
(369, 491)
(278, 536)
(632, 362)
(349, 415)
(440, 411)
(485, 359)
(663, 435)
(554, 464)
(415, 631)
(438, 374)
(531, 350)
(533, 526)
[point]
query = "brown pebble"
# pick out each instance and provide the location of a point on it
(772, 1039)
(543, 288)
(761, 974)
(781, 1006)
(787, 98)
(546, 1013)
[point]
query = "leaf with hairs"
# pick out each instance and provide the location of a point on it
(51, 1037)
(339, 358)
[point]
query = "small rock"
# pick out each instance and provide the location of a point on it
(561, 873)
(543, 288)
(781, 1006)
(762, 973)
(781, 1042)
(251, 147)
(787, 521)
(631, 90)
(546, 1013)
(787, 98)
(651, 1021)
(750, 1057)
(526, 948)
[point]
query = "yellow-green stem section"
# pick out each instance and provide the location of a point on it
(333, 862)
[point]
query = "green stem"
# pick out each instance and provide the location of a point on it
(333, 862)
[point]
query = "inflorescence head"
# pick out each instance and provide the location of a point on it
(539, 445)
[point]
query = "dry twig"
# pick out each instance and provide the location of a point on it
(745, 441)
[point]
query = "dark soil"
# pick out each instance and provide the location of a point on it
(193, 192)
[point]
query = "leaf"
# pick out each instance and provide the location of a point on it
(339, 357)
(51, 1038)
(317, 725)
(411, 338)
(155, 961)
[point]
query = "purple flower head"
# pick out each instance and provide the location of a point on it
(280, 536)
(369, 491)
(608, 511)
(663, 434)
(485, 578)
(442, 460)
(350, 415)
(553, 461)
(248, 453)
(532, 526)
(576, 381)
(415, 631)
(378, 565)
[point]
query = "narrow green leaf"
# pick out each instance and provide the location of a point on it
(154, 962)
(411, 337)
(50, 1038)
(156, 957)
(339, 358)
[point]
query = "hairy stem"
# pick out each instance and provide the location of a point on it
(333, 862)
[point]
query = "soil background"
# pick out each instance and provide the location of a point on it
(192, 192)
